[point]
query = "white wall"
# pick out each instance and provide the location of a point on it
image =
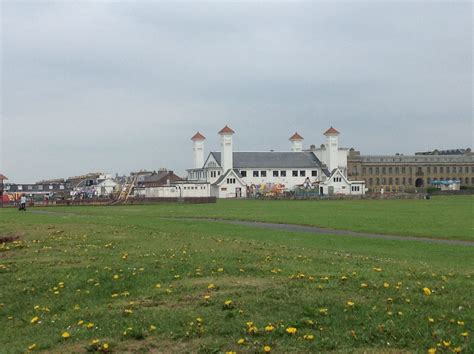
(289, 181)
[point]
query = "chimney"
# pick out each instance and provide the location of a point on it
(296, 142)
(198, 149)
(226, 148)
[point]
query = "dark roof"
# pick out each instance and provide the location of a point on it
(331, 131)
(226, 130)
(296, 136)
(198, 136)
(159, 178)
(272, 159)
(224, 175)
(2, 177)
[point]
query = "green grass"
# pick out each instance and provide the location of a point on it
(440, 217)
(276, 277)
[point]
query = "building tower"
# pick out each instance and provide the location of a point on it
(332, 149)
(198, 149)
(296, 142)
(226, 148)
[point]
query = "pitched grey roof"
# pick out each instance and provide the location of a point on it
(221, 178)
(272, 159)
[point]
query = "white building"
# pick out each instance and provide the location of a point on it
(237, 174)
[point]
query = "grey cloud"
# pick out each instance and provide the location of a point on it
(117, 86)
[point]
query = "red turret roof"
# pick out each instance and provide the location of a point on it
(198, 136)
(226, 130)
(296, 136)
(331, 131)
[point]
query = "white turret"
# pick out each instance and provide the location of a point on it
(198, 149)
(226, 148)
(332, 149)
(296, 142)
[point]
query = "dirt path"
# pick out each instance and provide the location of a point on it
(319, 230)
(302, 228)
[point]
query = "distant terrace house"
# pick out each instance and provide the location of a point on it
(229, 174)
(37, 192)
(159, 184)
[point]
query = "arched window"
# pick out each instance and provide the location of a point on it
(397, 181)
(390, 181)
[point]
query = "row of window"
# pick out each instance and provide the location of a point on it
(337, 179)
(31, 187)
(403, 181)
(282, 173)
(355, 188)
(230, 180)
(409, 169)
(215, 173)
(194, 187)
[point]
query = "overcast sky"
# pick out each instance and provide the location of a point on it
(120, 86)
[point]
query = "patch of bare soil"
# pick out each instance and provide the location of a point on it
(8, 238)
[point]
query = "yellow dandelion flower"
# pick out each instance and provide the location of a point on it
(115, 277)
(427, 291)
(364, 285)
(105, 346)
(446, 343)
(377, 269)
(269, 328)
(95, 342)
(90, 325)
(431, 320)
(252, 330)
(241, 341)
(34, 320)
(65, 335)
(152, 328)
(220, 270)
(350, 303)
(158, 285)
(291, 330)
(386, 285)
(323, 311)
(457, 350)
(32, 347)
(432, 351)
(465, 334)
(460, 323)
(211, 286)
(308, 337)
(267, 349)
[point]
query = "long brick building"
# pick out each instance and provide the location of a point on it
(399, 173)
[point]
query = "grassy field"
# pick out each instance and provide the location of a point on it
(440, 217)
(123, 279)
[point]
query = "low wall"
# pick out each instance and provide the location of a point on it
(137, 201)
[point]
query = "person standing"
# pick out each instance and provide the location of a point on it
(23, 202)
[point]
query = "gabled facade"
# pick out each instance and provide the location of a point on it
(249, 170)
